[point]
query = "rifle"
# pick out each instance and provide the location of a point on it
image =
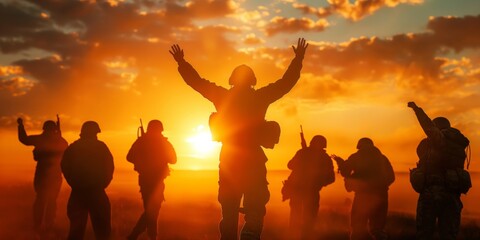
(339, 161)
(140, 130)
(302, 138)
(58, 125)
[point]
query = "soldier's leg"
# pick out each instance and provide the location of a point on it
(100, 215)
(141, 224)
(139, 228)
(378, 216)
(296, 210)
(153, 208)
(51, 206)
(39, 205)
(229, 198)
(359, 217)
(426, 216)
(77, 213)
(449, 218)
(310, 213)
(255, 198)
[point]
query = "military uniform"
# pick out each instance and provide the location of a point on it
(369, 174)
(436, 201)
(312, 169)
(49, 147)
(242, 160)
(151, 155)
(87, 165)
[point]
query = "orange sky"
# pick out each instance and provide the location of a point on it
(108, 61)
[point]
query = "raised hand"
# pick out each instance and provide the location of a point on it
(19, 121)
(412, 105)
(301, 47)
(177, 53)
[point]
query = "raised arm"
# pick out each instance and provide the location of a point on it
(22, 134)
(276, 90)
(427, 125)
(206, 88)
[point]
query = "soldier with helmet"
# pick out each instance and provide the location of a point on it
(439, 177)
(151, 154)
(49, 147)
(312, 169)
(87, 165)
(241, 126)
(369, 174)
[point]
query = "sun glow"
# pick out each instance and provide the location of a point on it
(201, 143)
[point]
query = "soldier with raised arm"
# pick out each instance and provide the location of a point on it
(49, 147)
(441, 161)
(239, 123)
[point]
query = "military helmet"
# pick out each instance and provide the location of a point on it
(90, 128)
(364, 142)
(318, 141)
(154, 126)
(441, 122)
(49, 126)
(242, 75)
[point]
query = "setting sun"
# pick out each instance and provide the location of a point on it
(201, 143)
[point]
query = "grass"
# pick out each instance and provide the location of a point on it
(193, 214)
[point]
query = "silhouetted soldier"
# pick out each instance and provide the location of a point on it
(312, 169)
(49, 147)
(441, 153)
(151, 154)
(369, 174)
(241, 120)
(87, 165)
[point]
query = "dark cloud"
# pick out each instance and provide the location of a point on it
(456, 33)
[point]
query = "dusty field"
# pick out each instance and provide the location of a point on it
(191, 210)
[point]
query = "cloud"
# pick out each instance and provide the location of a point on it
(320, 88)
(252, 39)
(423, 66)
(457, 33)
(292, 25)
(17, 85)
(353, 11)
(12, 81)
(210, 8)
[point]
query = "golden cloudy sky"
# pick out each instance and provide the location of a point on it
(108, 61)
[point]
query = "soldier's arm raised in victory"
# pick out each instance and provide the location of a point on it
(22, 134)
(206, 88)
(276, 90)
(427, 125)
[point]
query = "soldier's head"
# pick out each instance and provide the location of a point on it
(155, 126)
(318, 141)
(242, 76)
(364, 143)
(441, 122)
(89, 129)
(49, 126)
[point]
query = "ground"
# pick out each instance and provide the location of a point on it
(192, 212)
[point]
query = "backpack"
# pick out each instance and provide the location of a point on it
(454, 153)
(457, 179)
